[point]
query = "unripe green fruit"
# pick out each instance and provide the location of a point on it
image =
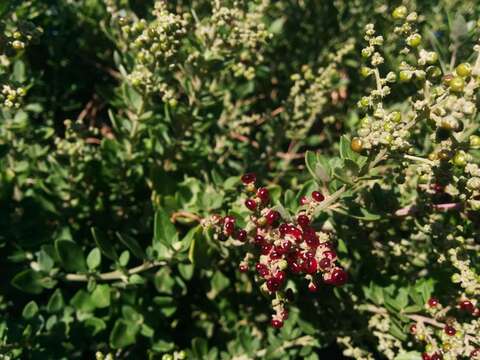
(460, 159)
(400, 12)
(365, 71)
(365, 122)
(414, 40)
(396, 116)
(463, 70)
(457, 84)
(432, 57)
(405, 75)
(474, 141)
(434, 72)
(364, 102)
(423, 179)
(356, 144)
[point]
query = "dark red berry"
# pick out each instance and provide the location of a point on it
(312, 287)
(413, 328)
(277, 324)
(303, 220)
(280, 276)
(310, 266)
(331, 255)
(285, 314)
(264, 195)
(249, 178)
(266, 248)
(432, 302)
(262, 269)
(308, 254)
(436, 356)
(275, 255)
(273, 284)
(285, 246)
(475, 353)
(229, 228)
(467, 305)
(243, 267)
(229, 219)
(318, 196)
(283, 229)
(295, 232)
(272, 217)
(450, 330)
(339, 277)
(241, 235)
(437, 188)
(251, 204)
(259, 240)
(295, 267)
(324, 263)
(303, 200)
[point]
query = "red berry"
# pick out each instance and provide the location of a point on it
(425, 356)
(318, 196)
(272, 217)
(310, 266)
(229, 228)
(308, 254)
(283, 229)
(259, 240)
(432, 302)
(312, 287)
(277, 324)
(264, 195)
(249, 178)
(295, 232)
(266, 248)
(262, 269)
(243, 267)
(324, 264)
(475, 353)
(303, 220)
(467, 305)
(295, 267)
(275, 255)
(413, 328)
(285, 246)
(280, 276)
(436, 356)
(241, 235)
(285, 314)
(331, 255)
(450, 330)
(251, 204)
(339, 277)
(303, 200)
(229, 219)
(273, 284)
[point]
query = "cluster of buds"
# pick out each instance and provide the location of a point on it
(10, 97)
(15, 40)
(448, 337)
(279, 248)
(155, 45)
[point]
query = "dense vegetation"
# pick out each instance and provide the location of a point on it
(239, 179)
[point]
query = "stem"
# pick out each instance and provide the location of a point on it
(418, 158)
(115, 275)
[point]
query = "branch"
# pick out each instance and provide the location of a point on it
(114, 275)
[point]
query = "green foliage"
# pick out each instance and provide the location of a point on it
(126, 125)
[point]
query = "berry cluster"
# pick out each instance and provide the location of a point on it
(281, 246)
(451, 338)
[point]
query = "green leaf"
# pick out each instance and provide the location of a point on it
(198, 252)
(94, 258)
(29, 281)
(56, 302)
(82, 301)
(219, 282)
(71, 255)
(163, 230)
(101, 296)
(346, 151)
(123, 334)
(104, 244)
(97, 325)
(199, 348)
(30, 310)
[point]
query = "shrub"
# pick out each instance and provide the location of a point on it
(239, 179)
